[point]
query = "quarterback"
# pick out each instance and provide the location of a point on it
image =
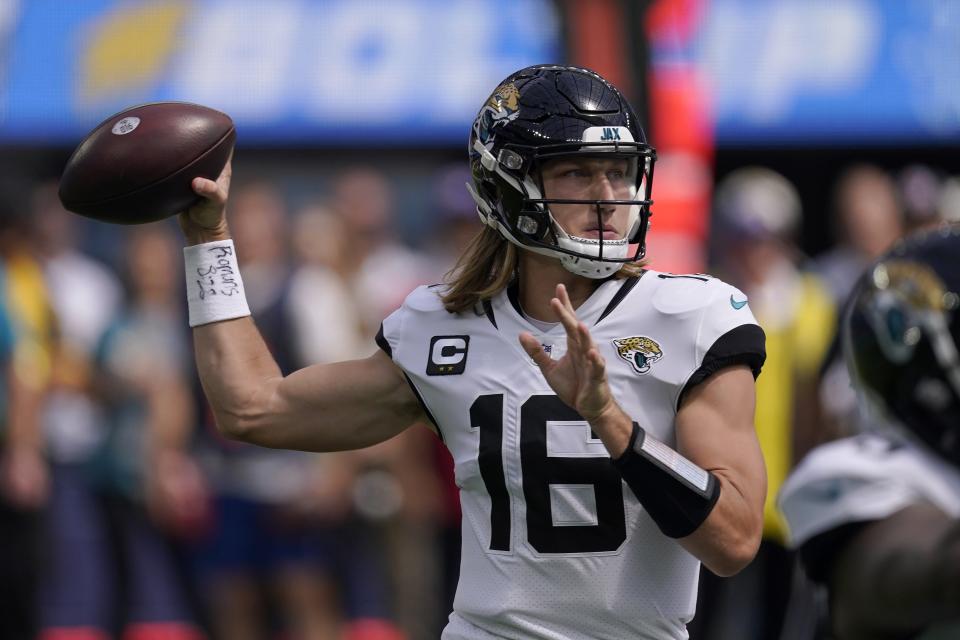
(599, 414)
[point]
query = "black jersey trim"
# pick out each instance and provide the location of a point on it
(741, 345)
(818, 554)
(383, 344)
(488, 310)
(381, 341)
(618, 297)
(423, 405)
(513, 295)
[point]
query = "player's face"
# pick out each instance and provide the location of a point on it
(590, 178)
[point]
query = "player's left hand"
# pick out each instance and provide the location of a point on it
(579, 378)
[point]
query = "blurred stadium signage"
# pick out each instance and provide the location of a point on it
(832, 71)
(414, 71)
(288, 71)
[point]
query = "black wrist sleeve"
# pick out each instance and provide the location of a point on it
(676, 493)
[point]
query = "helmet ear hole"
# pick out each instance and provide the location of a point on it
(489, 191)
(528, 225)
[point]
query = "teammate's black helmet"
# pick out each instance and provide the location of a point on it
(901, 334)
(546, 112)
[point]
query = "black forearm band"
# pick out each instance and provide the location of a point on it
(676, 493)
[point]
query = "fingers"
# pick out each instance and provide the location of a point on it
(564, 299)
(209, 189)
(596, 364)
(203, 187)
(535, 350)
(215, 190)
(564, 310)
(578, 335)
(226, 173)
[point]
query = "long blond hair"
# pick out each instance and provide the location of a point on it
(486, 268)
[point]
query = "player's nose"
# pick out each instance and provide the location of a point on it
(602, 188)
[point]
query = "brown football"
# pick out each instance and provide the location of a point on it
(137, 165)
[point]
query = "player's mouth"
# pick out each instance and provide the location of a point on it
(608, 232)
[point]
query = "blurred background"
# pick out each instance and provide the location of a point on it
(797, 139)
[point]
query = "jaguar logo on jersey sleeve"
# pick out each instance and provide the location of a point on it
(640, 351)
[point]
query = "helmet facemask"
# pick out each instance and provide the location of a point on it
(525, 214)
(546, 113)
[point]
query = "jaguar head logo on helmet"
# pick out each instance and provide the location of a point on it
(901, 336)
(548, 114)
(500, 108)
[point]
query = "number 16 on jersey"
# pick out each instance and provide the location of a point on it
(544, 476)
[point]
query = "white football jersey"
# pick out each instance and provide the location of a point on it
(555, 545)
(864, 478)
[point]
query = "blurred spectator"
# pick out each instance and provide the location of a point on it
(868, 219)
(86, 298)
(326, 324)
(454, 217)
(919, 187)
(272, 562)
(381, 270)
(355, 490)
(26, 346)
(113, 567)
(73, 420)
(757, 216)
(412, 528)
(327, 328)
(949, 199)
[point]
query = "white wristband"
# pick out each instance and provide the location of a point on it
(214, 286)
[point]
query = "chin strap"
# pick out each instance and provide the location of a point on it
(593, 269)
(585, 266)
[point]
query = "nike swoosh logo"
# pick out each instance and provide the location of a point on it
(737, 304)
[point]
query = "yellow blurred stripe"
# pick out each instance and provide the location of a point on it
(129, 46)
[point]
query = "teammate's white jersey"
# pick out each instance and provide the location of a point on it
(555, 545)
(861, 479)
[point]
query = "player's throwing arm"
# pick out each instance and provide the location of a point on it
(346, 405)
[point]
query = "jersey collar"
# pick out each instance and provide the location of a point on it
(505, 313)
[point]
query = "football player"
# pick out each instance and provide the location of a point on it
(599, 414)
(875, 516)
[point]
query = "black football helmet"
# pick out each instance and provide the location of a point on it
(901, 334)
(543, 113)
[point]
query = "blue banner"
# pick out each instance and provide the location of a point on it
(288, 71)
(830, 72)
(413, 72)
